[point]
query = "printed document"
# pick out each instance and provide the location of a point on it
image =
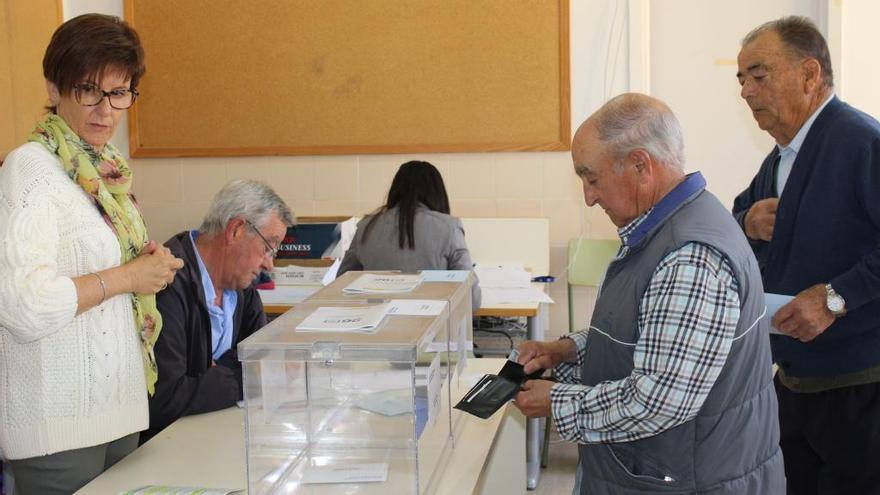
(774, 302)
(374, 283)
(357, 319)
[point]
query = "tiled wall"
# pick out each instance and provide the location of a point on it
(175, 193)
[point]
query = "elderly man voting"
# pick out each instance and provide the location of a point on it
(670, 390)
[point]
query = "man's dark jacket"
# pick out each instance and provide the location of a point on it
(827, 231)
(188, 383)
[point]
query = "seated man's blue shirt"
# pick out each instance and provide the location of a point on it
(221, 317)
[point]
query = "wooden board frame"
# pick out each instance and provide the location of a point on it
(142, 117)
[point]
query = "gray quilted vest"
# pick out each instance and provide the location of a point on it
(732, 446)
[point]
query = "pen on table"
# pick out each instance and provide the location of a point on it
(544, 278)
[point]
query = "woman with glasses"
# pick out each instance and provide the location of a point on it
(78, 317)
(412, 230)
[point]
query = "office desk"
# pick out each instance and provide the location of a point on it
(208, 450)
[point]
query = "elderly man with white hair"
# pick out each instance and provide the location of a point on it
(211, 305)
(670, 390)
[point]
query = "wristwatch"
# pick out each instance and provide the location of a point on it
(834, 301)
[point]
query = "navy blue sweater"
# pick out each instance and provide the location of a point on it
(827, 231)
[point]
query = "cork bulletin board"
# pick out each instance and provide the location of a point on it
(267, 77)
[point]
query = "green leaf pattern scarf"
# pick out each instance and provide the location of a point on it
(106, 177)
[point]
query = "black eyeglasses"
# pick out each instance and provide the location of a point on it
(90, 95)
(271, 252)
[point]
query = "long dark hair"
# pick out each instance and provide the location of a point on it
(415, 183)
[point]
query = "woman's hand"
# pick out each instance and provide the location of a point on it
(153, 269)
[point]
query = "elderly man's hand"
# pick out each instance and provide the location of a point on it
(534, 355)
(760, 219)
(806, 316)
(534, 399)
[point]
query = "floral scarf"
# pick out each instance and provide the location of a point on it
(105, 177)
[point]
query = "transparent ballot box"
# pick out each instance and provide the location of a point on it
(456, 293)
(353, 412)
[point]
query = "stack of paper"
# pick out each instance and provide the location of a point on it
(374, 283)
(288, 294)
(509, 285)
(503, 276)
(179, 490)
(357, 319)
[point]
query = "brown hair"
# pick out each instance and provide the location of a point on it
(88, 45)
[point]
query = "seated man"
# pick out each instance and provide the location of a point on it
(211, 305)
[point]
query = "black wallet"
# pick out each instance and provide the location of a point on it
(493, 391)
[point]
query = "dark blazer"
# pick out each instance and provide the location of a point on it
(827, 231)
(439, 245)
(188, 383)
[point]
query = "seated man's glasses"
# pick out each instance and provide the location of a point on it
(271, 252)
(90, 95)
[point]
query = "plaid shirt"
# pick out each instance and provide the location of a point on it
(687, 318)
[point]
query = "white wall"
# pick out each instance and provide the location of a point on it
(683, 50)
(694, 44)
(858, 75)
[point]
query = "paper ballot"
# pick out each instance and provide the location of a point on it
(358, 319)
(179, 490)
(774, 303)
(346, 473)
(374, 283)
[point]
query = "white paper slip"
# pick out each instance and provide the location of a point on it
(346, 473)
(374, 283)
(494, 296)
(288, 294)
(179, 490)
(502, 276)
(774, 302)
(416, 307)
(445, 275)
(363, 319)
(298, 275)
(331, 272)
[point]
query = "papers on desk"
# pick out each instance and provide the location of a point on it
(416, 307)
(774, 302)
(179, 490)
(374, 283)
(494, 296)
(445, 275)
(298, 275)
(355, 319)
(506, 276)
(346, 473)
(288, 294)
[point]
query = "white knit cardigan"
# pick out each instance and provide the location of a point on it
(66, 381)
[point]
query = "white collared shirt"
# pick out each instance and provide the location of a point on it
(788, 153)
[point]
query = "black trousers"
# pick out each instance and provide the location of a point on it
(831, 440)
